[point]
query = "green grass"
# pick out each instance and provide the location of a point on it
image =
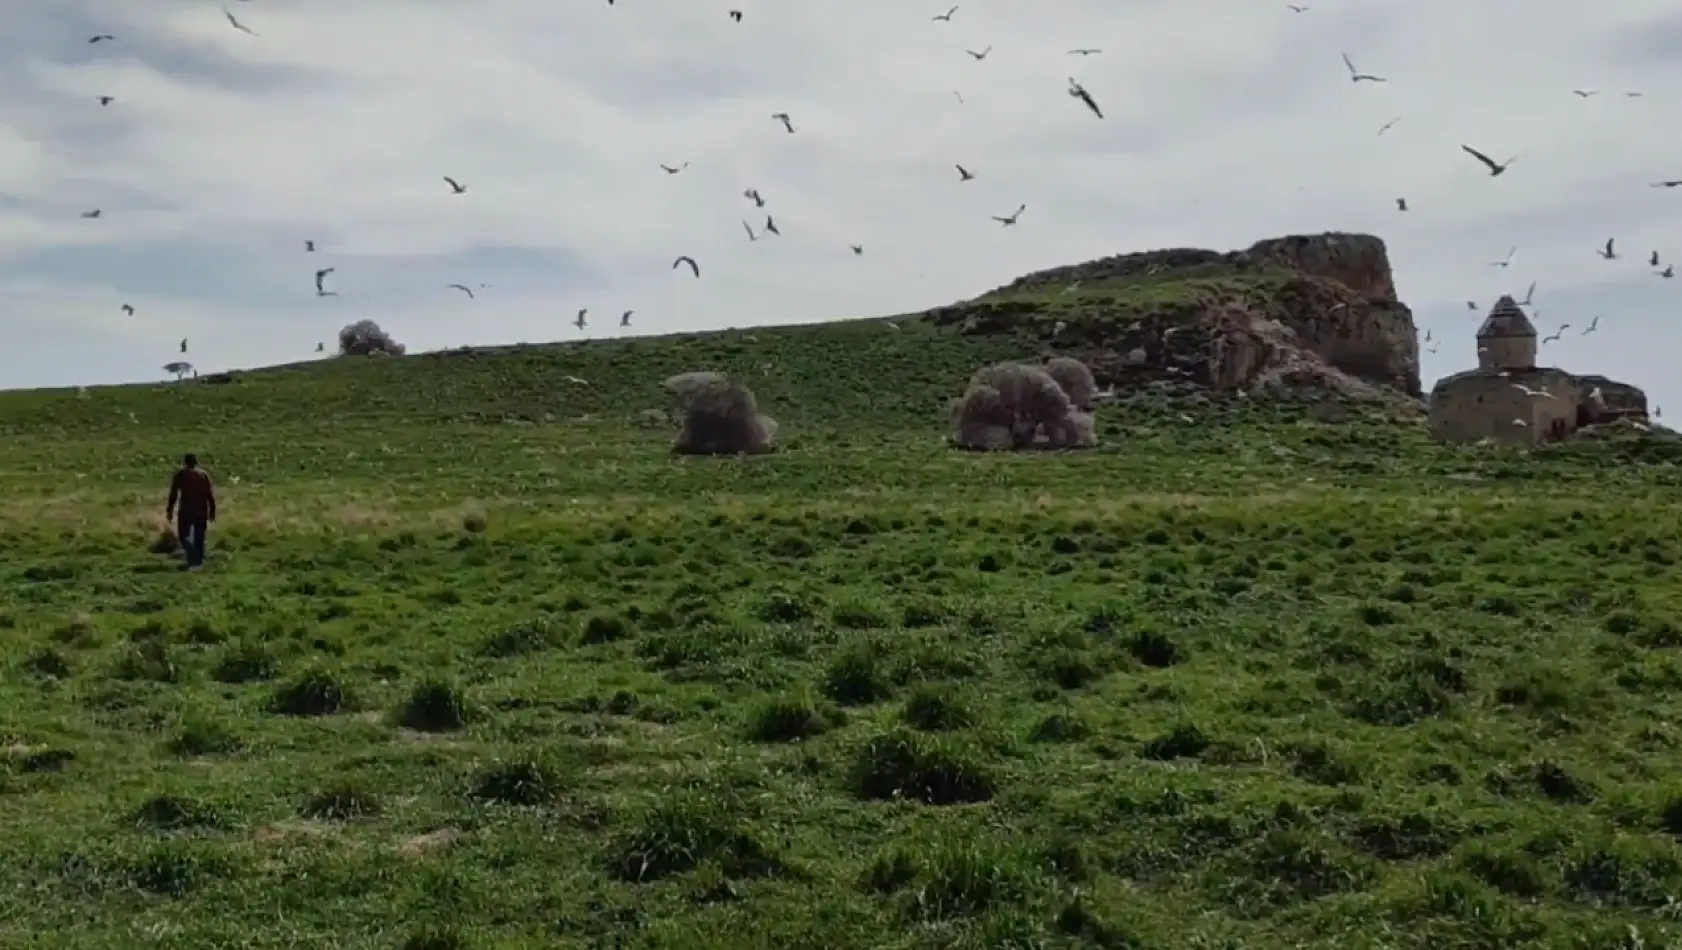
(477, 664)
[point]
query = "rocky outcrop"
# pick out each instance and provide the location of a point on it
(1360, 262)
(1615, 400)
(1333, 292)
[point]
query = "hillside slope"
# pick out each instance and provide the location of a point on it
(476, 663)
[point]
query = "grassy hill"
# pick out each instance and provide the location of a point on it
(477, 664)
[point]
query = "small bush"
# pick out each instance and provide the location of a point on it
(245, 663)
(1013, 406)
(721, 417)
(858, 675)
(1076, 380)
(203, 736)
(530, 636)
(679, 835)
(934, 708)
(907, 765)
(365, 338)
(173, 813)
(315, 693)
(342, 802)
(791, 718)
(520, 783)
(604, 628)
(434, 706)
(1182, 742)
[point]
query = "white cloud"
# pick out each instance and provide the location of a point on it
(1227, 121)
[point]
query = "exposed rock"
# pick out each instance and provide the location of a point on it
(1617, 400)
(1333, 292)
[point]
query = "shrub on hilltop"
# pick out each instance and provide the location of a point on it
(1077, 381)
(1016, 406)
(721, 417)
(365, 338)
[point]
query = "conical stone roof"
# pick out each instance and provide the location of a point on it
(1506, 318)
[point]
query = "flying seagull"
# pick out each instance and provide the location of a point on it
(1593, 326)
(625, 318)
(91, 214)
(1673, 183)
(183, 344)
(673, 171)
(1495, 168)
(749, 228)
(1557, 333)
(101, 37)
(752, 194)
(959, 95)
(309, 246)
(1296, 9)
(107, 100)
(1079, 92)
(1654, 260)
(1084, 51)
(1668, 272)
(321, 347)
(1528, 294)
(128, 309)
(771, 226)
(1010, 219)
(981, 55)
(236, 24)
(947, 16)
(858, 249)
(1609, 252)
(581, 322)
(320, 276)
(964, 174)
(787, 122)
(1388, 125)
(1585, 93)
(461, 287)
(1505, 262)
(1533, 393)
(686, 259)
(1401, 204)
(455, 186)
(736, 15)
(1355, 76)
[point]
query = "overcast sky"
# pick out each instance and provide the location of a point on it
(1226, 121)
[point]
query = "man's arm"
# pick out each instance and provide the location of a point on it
(174, 495)
(209, 498)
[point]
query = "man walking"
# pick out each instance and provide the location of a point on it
(192, 498)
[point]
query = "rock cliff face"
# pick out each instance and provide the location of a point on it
(1617, 400)
(1224, 319)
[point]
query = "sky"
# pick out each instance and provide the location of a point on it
(1226, 121)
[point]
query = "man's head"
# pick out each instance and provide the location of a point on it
(190, 460)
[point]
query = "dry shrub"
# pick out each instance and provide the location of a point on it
(721, 417)
(365, 338)
(982, 420)
(1076, 380)
(685, 385)
(1011, 405)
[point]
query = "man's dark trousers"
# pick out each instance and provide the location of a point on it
(190, 529)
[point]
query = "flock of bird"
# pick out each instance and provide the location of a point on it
(1075, 90)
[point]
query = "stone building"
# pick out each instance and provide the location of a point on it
(1510, 399)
